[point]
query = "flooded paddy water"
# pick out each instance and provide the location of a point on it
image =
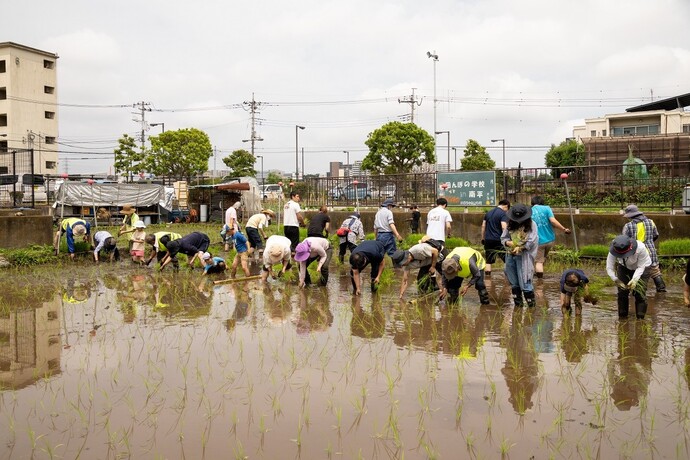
(113, 361)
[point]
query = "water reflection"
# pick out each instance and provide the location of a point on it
(630, 372)
(521, 369)
(314, 312)
(575, 341)
(368, 322)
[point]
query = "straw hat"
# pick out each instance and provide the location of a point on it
(128, 209)
(268, 212)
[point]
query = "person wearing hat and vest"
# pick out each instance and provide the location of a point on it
(277, 251)
(193, 245)
(212, 264)
(459, 264)
(643, 229)
(368, 252)
(255, 231)
(71, 227)
(309, 250)
(628, 266)
(159, 240)
(104, 241)
(350, 232)
(128, 221)
(384, 226)
(427, 256)
(521, 240)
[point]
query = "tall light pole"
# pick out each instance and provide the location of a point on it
(347, 167)
(297, 128)
(448, 146)
(162, 125)
(433, 56)
(262, 172)
(455, 154)
(254, 139)
(503, 142)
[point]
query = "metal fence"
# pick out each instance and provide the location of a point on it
(654, 185)
(18, 183)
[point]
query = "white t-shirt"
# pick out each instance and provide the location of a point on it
(291, 210)
(231, 214)
(280, 242)
(436, 223)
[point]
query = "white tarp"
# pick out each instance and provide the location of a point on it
(83, 194)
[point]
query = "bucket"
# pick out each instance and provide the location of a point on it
(147, 220)
(203, 213)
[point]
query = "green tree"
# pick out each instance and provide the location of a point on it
(476, 158)
(241, 163)
(273, 178)
(564, 157)
(397, 148)
(180, 154)
(128, 159)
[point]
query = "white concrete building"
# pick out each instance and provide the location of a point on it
(28, 104)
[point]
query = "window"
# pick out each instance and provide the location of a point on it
(48, 89)
(603, 132)
(50, 139)
(3, 66)
(50, 115)
(48, 64)
(644, 130)
(593, 133)
(686, 129)
(3, 93)
(3, 146)
(4, 169)
(3, 119)
(51, 164)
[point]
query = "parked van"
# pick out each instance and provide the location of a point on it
(16, 190)
(271, 192)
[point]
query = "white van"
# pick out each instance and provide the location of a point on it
(11, 184)
(271, 192)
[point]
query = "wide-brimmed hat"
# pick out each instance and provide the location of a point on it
(424, 239)
(399, 257)
(140, 224)
(519, 213)
(623, 246)
(450, 267)
(302, 251)
(128, 209)
(275, 255)
(388, 202)
(268, 212)
(632, 211)
(237, 204)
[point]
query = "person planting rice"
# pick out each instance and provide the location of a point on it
(193, 245)
(105, 242)
(240, 242)
(521, 240)
(427, 256)
(368, 252)
(628, 265)
(461, 263)
(277, 251)
(138, 242)
(309, 250)
(158, 241)
(128, 222)
(350, 231)
(71, 227)
(686, 285)
(574, 286)
(212, 264)
(643, 229)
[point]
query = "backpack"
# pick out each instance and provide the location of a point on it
(343, 231)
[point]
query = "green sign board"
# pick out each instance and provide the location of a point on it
(472, 188)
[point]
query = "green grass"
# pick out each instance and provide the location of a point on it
(33, 255)
(594, 250)
(678, 246)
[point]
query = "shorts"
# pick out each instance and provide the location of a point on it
(137, 253)
(254, 238)
(543, 251)
(493, 249)
(243, 256)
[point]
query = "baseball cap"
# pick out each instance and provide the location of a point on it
(206, 256)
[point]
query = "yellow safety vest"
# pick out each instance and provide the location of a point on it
(464, 254)
(159, 235)
(69, 222)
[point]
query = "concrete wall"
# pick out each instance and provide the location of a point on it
(591, 228)
(21, 231)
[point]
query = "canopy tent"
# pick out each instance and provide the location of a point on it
(96, 195)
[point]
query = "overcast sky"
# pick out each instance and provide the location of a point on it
(526, 71)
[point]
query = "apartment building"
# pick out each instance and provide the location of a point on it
(28, 105)
(656, 132)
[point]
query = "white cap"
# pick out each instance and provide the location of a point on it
(140, 224)
(206, 256)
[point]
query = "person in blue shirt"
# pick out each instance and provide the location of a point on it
(542, 215)
(240, 242)
(495, 221)
(213, 264)
(71, 227)
(367, 253)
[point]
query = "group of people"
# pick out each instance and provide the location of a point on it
(520, 235)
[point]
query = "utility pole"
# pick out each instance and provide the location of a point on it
(412, 100)
(143, 107)
(253, 110)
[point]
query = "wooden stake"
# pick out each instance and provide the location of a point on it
(237, 280)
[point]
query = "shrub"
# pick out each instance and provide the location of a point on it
(678, 246)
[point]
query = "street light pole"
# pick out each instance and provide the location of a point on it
(162, 125)
(448, 146)
(455, 155)
(347, 167)
(433, 56)
(297, 128)
(262, 171)
(503, 143)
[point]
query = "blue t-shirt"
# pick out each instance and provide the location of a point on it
(216, 261)
(240, 241)
(493, 220)
(541, 215)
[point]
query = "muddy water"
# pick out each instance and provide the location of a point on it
(117, 362)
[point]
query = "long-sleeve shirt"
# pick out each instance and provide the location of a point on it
(529, 253)
(318, 248)
(67, 227)
(643, 229)
(99, 238)
(637, 261)
(356, 232)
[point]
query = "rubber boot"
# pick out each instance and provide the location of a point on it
(659, 283)
(484, 297)
(623, 303)
(517, 296)
(640, 308)
(531, 299)
(539, 274)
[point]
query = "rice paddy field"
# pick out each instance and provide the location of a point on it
(113, 361)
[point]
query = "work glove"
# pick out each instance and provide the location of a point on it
(632, 283)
